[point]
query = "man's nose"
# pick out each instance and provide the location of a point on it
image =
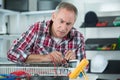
(64, 27)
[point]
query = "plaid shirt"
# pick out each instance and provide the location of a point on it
(38, 40)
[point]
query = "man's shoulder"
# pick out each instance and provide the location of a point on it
(39, 24)
(76, 31)
(76, 34)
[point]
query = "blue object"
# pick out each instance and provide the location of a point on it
(7, 77)
(80, 75)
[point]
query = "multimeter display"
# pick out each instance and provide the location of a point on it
(72, 64)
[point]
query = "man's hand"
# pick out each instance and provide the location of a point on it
(56, 56)
(70, 55)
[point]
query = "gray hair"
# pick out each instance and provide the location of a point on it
(67, 6)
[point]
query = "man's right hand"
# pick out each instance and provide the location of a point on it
(56, 57)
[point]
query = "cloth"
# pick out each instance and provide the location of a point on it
(37, 39)
(102, 24)
(91, 19)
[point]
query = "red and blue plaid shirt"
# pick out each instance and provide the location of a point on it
(38, 40)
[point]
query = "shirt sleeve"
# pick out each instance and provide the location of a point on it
(20, 49)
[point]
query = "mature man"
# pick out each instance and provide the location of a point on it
(55, 40)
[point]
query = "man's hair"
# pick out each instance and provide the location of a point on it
(67, 6)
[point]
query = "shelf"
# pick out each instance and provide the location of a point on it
(103, 8)
(7, 12)
(102, 44)
(112, 67)
(48, 12)
(8, 37)
(108, 19)
(101, 1)
(10, 12)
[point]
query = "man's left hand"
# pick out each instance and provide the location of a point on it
(70, 55)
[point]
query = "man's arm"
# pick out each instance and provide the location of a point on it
(38, 58)
(54, 56)
(20, 49)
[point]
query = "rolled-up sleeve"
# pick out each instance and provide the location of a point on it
(20, 49)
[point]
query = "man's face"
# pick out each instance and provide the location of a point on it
(63, 21)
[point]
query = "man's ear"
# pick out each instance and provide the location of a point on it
(53, 16)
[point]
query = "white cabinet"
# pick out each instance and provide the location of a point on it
(3, 19)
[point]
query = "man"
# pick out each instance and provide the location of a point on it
(55, 40)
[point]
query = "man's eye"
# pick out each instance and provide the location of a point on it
(68, 23)
(61, 21)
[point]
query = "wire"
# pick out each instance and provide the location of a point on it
(52, 59)
(64, 63)
(84, 75)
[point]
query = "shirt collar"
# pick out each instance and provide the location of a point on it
(71, 34)
(48, 25)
